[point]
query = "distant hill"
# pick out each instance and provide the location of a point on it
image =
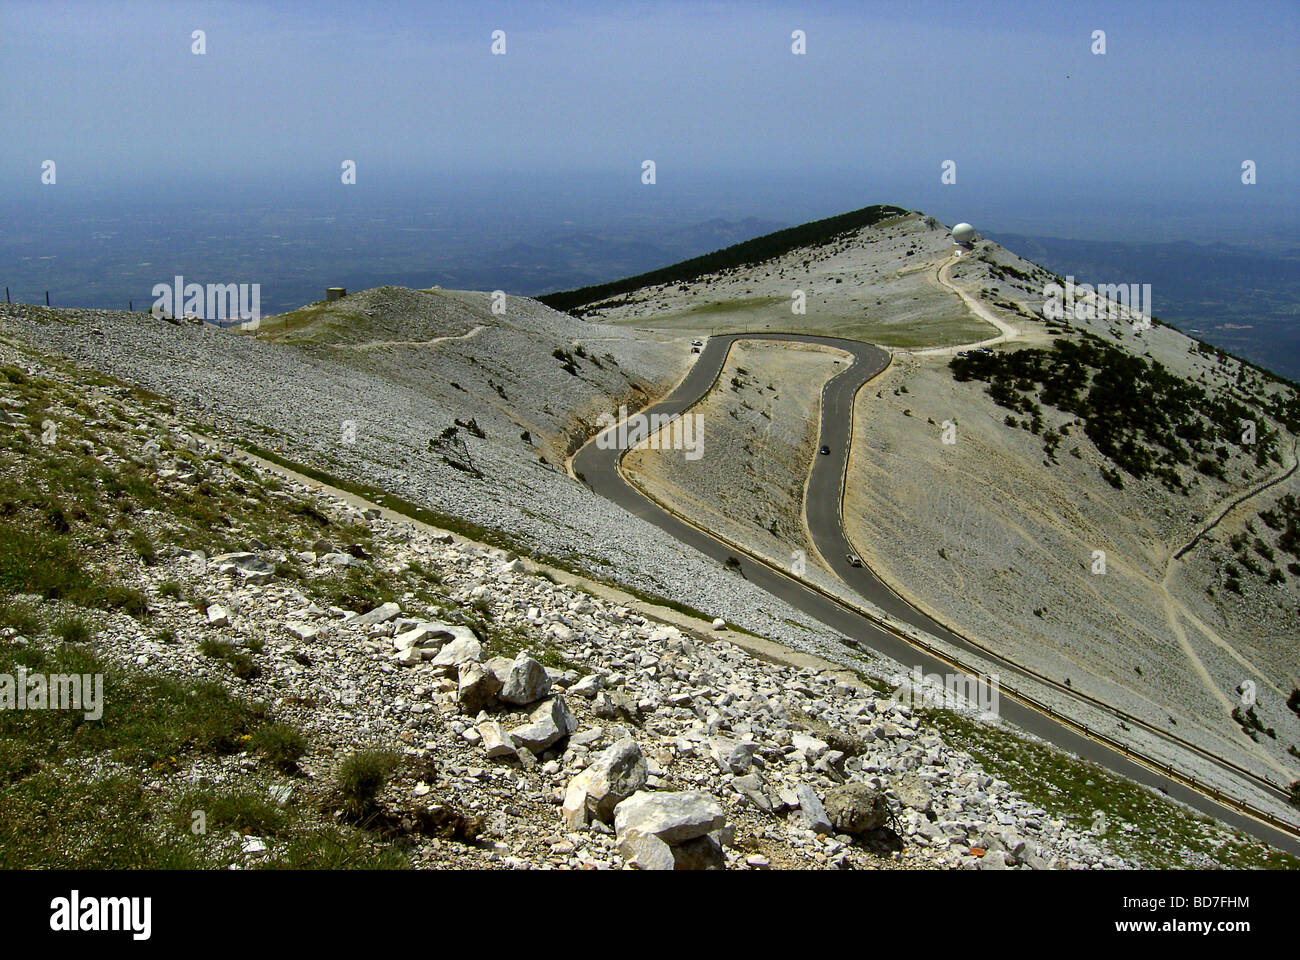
(747, 253)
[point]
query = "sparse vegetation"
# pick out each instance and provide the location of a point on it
(239, 662)
(73, 629)
(1074, 789)
(360, 778)
(281, 744)
(1141, 417)
(567, 363)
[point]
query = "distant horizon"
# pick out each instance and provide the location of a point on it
(504, 148)
(1081, 213)
(294, 250)
(1039, 123)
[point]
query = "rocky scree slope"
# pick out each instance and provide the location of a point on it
(370, 417)
(396, 695)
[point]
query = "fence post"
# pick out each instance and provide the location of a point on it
(47, 298)
(6, 294)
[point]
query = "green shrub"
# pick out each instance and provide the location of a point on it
(73, 629)
(39, 563)
(360, 778)
(281, 744)
(1143, 418)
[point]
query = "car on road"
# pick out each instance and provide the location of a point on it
(824, 450)
(854, 560)
(697, 343)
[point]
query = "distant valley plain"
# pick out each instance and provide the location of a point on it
(108, 252)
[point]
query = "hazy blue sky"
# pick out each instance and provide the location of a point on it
(710, 92)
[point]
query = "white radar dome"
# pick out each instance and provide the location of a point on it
(963, 233)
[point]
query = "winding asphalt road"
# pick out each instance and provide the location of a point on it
(599, 469)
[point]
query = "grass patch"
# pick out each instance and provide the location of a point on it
(49, 822)
(55, 816)
(118, 597)
(39, 562)
(659, 601)
(512, 641)
(281, 745)
(21, 616)
(242, 811)
(239, 662)
(146, 720)
(360, 589)
(1075, 790)
(360, 778)
(143, 547)
(73, 629)
(337, 848)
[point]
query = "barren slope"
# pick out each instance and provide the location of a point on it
(513, 397)
(999, 539)
(874, 283)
